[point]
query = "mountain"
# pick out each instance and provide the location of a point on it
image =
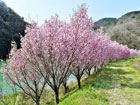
(105, 22)
(125, 30)
(11, 27)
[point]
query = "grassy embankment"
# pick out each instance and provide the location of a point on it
(117, 84)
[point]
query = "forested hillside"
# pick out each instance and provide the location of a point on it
(11, 27)
(125, 30)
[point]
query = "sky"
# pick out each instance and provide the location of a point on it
(39, 10)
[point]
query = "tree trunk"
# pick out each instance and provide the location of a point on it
(57, 95)
(89, 72)
(37, 100)
(95, 69)
(79, 83)
(102, 66)
(65, 86)
(37, 103)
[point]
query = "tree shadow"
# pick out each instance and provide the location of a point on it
(117, 65)
(117, 71)
(136, 65)
(135, 85)
(115, 79)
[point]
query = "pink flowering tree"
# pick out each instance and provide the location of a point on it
(138, 53)
(93, 51)
(45, 58)
(99, 51)
(56, 53)
(82, 33)
(23, 71)
(133, 53)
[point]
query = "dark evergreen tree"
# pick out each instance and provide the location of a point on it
(11, 27)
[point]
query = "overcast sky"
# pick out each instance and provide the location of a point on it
(40, 10)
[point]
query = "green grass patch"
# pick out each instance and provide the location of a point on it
(119, 84)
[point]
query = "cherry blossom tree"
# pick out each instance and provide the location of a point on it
(57, 52)
(82, 32)
(99, 51)
(23, 71)
(138, 53)
(133, 53)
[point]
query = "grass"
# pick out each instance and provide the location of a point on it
(117, 84)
